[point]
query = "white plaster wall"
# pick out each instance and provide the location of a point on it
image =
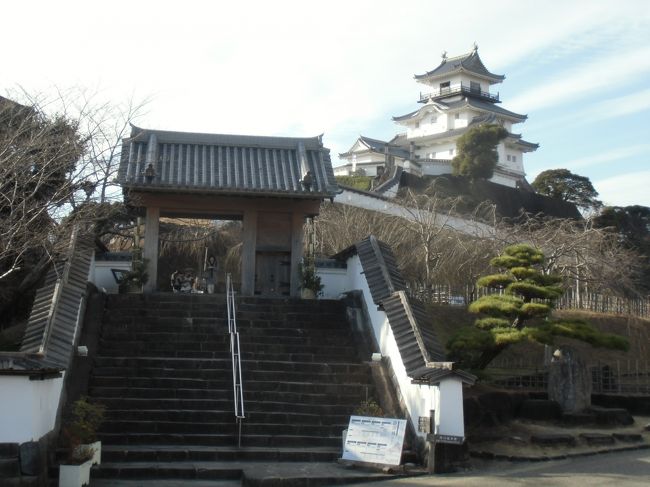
(462, 121)
(335, 282)
(102, 277)
(417, 398)
(503, 180)
(343, 170)
(387, 207)
(448, 405)
(446, 398)
(28, 408)
(436, 168)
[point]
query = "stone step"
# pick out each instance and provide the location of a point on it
(597, 438)
(228, 427)
(298, 391)
(553, 439)
(244, 306)
(336, 356)
(138, 404)
(164, 372)
(355, 396)
(222, 365)
(225, 416)
(172, 453)
(249, 351)
(223, 379)
(190, 319)
(100, 482)
(166, 470)
(221, 340)
(215, 440)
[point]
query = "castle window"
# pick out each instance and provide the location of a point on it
(474, 87)
(445, 87)
(509, 158)
(514, 158)
(451, 152)
(457, 116)
(434, 119)
(417, 125)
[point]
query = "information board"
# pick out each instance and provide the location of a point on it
(374, 440)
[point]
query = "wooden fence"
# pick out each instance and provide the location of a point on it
(629, 377)
(599, 303)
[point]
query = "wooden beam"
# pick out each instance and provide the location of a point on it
(175, 203)
(249, 244)
(151, 225)
(297, 222)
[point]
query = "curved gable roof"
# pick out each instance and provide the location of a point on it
(470, 62)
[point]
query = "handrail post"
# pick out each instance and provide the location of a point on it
(235, 355)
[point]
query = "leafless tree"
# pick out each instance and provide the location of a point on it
(37, 156)
(54, 153)
(590, 259)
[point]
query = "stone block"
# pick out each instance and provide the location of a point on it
(9, 450)
(612, 416)
(629, 437)
(553, 439)
(569, 381)
(577, 419)
(31, 458)
(597, 438)
(9, 467)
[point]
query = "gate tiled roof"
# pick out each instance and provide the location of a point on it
(226, 164)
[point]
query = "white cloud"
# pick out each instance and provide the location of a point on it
(615, 70)
(301, 68)
(616, 154)
(599, 111)
(625, 189)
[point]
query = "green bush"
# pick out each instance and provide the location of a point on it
(364, 183)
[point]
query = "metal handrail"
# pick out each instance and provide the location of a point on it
(459, 88)
(235, 355)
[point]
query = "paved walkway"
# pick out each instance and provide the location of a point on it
(621, 469)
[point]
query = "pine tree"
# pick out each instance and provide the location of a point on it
(477, 154)
(525, 292)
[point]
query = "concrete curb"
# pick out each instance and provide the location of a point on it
(486, 455)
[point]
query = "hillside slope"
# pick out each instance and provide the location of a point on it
(510, 202)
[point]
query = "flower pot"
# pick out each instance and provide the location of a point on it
(96, 448)
(74, 475)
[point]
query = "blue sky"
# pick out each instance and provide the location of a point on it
(579, 69)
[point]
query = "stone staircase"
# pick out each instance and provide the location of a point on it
(163, 370)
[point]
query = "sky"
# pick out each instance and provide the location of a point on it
(580, 70)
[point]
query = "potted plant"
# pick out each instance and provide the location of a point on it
(75, 470)
(137, 277)
(311, 285)
(83, 448)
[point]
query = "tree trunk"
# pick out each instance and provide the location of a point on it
(27, 284)
(487, 356)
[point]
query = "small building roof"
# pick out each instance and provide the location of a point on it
(469, 62)
(378, 146)
(226, 164)
(463, 103)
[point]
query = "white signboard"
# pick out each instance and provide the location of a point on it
(374, 440)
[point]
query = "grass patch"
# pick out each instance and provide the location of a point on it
(362, 183)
